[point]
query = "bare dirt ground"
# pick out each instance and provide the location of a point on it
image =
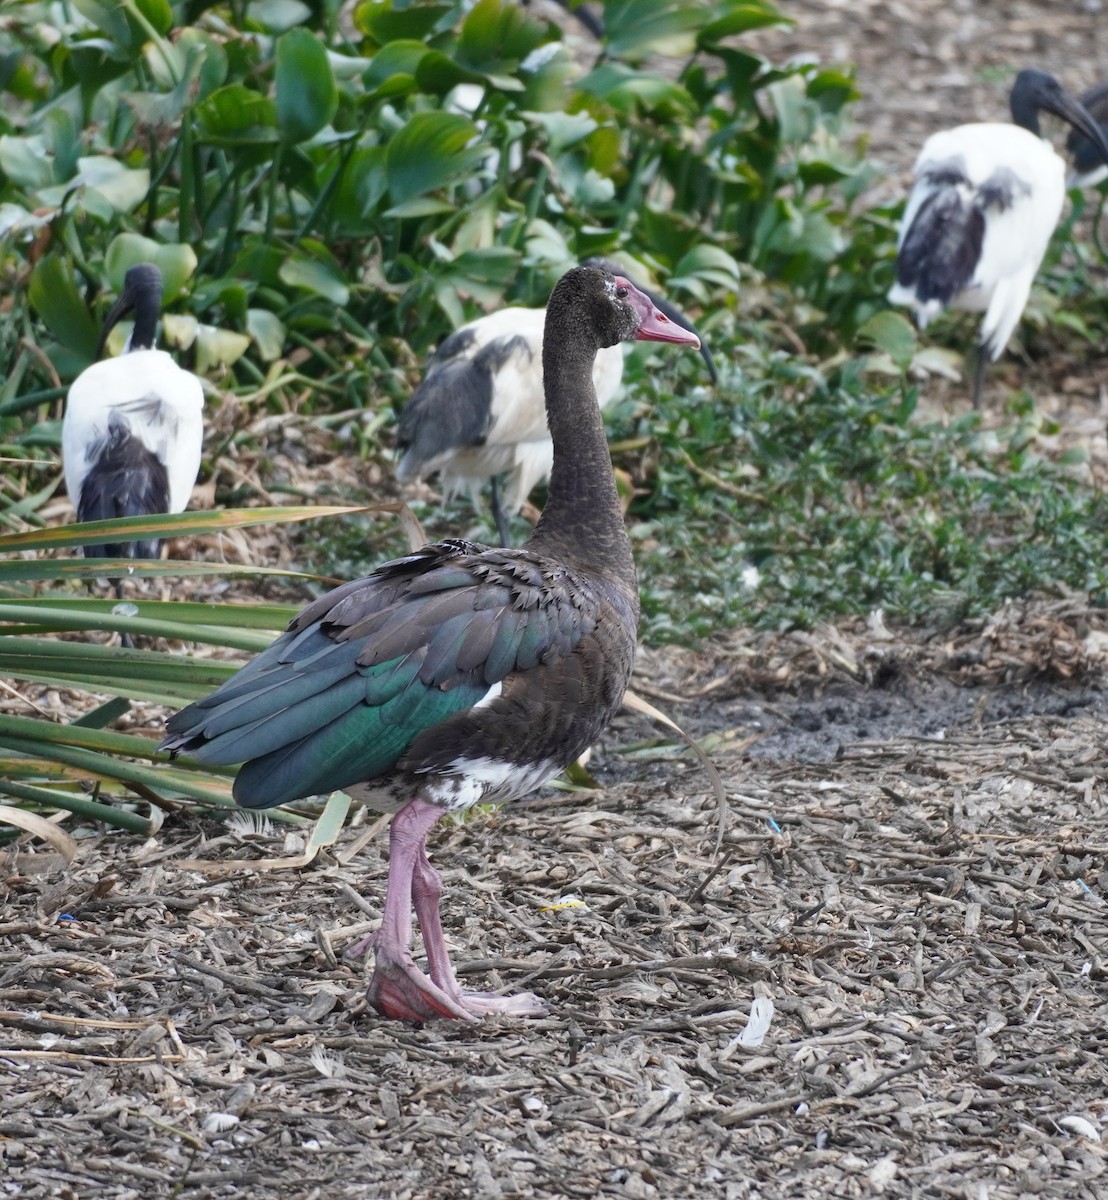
(913, 873)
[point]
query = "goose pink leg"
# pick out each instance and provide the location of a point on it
(398, 989)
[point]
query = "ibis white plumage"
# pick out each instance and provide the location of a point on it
(985, 201)
(479, 414)
(134, 424)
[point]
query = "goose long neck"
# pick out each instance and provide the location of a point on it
(582, 519)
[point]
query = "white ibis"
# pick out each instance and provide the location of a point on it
(133, 425)
(457, 675)
(986, 199)
(478, 413)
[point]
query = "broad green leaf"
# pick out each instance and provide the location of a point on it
(709, 263)
(890, 332)
(54, 294)
(383, 22)
(396, 58)
(421, 206)
(564, 129)
(25, 162)
(438, 74)
(268, 332)
(430, 151)
(158, 13)
(275, 16)
(306, 93)
(497, 35)
(635, 28)
(218, 347)
(14, 218)
(315, 275)
(741, 18)
(109, 18)
(361, 187)
(235, 115)
(175, 260)
(629, 91)
(119, 187)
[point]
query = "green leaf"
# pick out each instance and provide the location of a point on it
(307, 97)
(175, 260)
(54, 295)
(163, 525)
(25, 162)
(891, 333)
(268, 332)
(191, 612)
(629, 91)
(741, 18)
(29, 619)
(438, 74)
(430, 151)
(218, 348)
(123, 187)
(317, 276)
(275, 16)
(384, 22)
(158, 13)
(235, 115)
(635, 28)
(497, 35)
(399, 58)
(75, 802)
(109, 18)
(28, 570)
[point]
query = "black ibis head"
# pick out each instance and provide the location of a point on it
(1037, 91)
(142, 295)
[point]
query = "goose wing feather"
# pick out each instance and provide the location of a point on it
(366, 670)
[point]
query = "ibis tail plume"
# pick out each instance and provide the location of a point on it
(985, 201)
(459, 674)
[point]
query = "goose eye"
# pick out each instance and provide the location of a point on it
(621, 292)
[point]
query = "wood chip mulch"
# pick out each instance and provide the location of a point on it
(927, 916)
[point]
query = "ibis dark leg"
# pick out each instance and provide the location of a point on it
(980, 367)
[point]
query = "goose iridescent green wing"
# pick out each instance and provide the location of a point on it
(361, 672)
